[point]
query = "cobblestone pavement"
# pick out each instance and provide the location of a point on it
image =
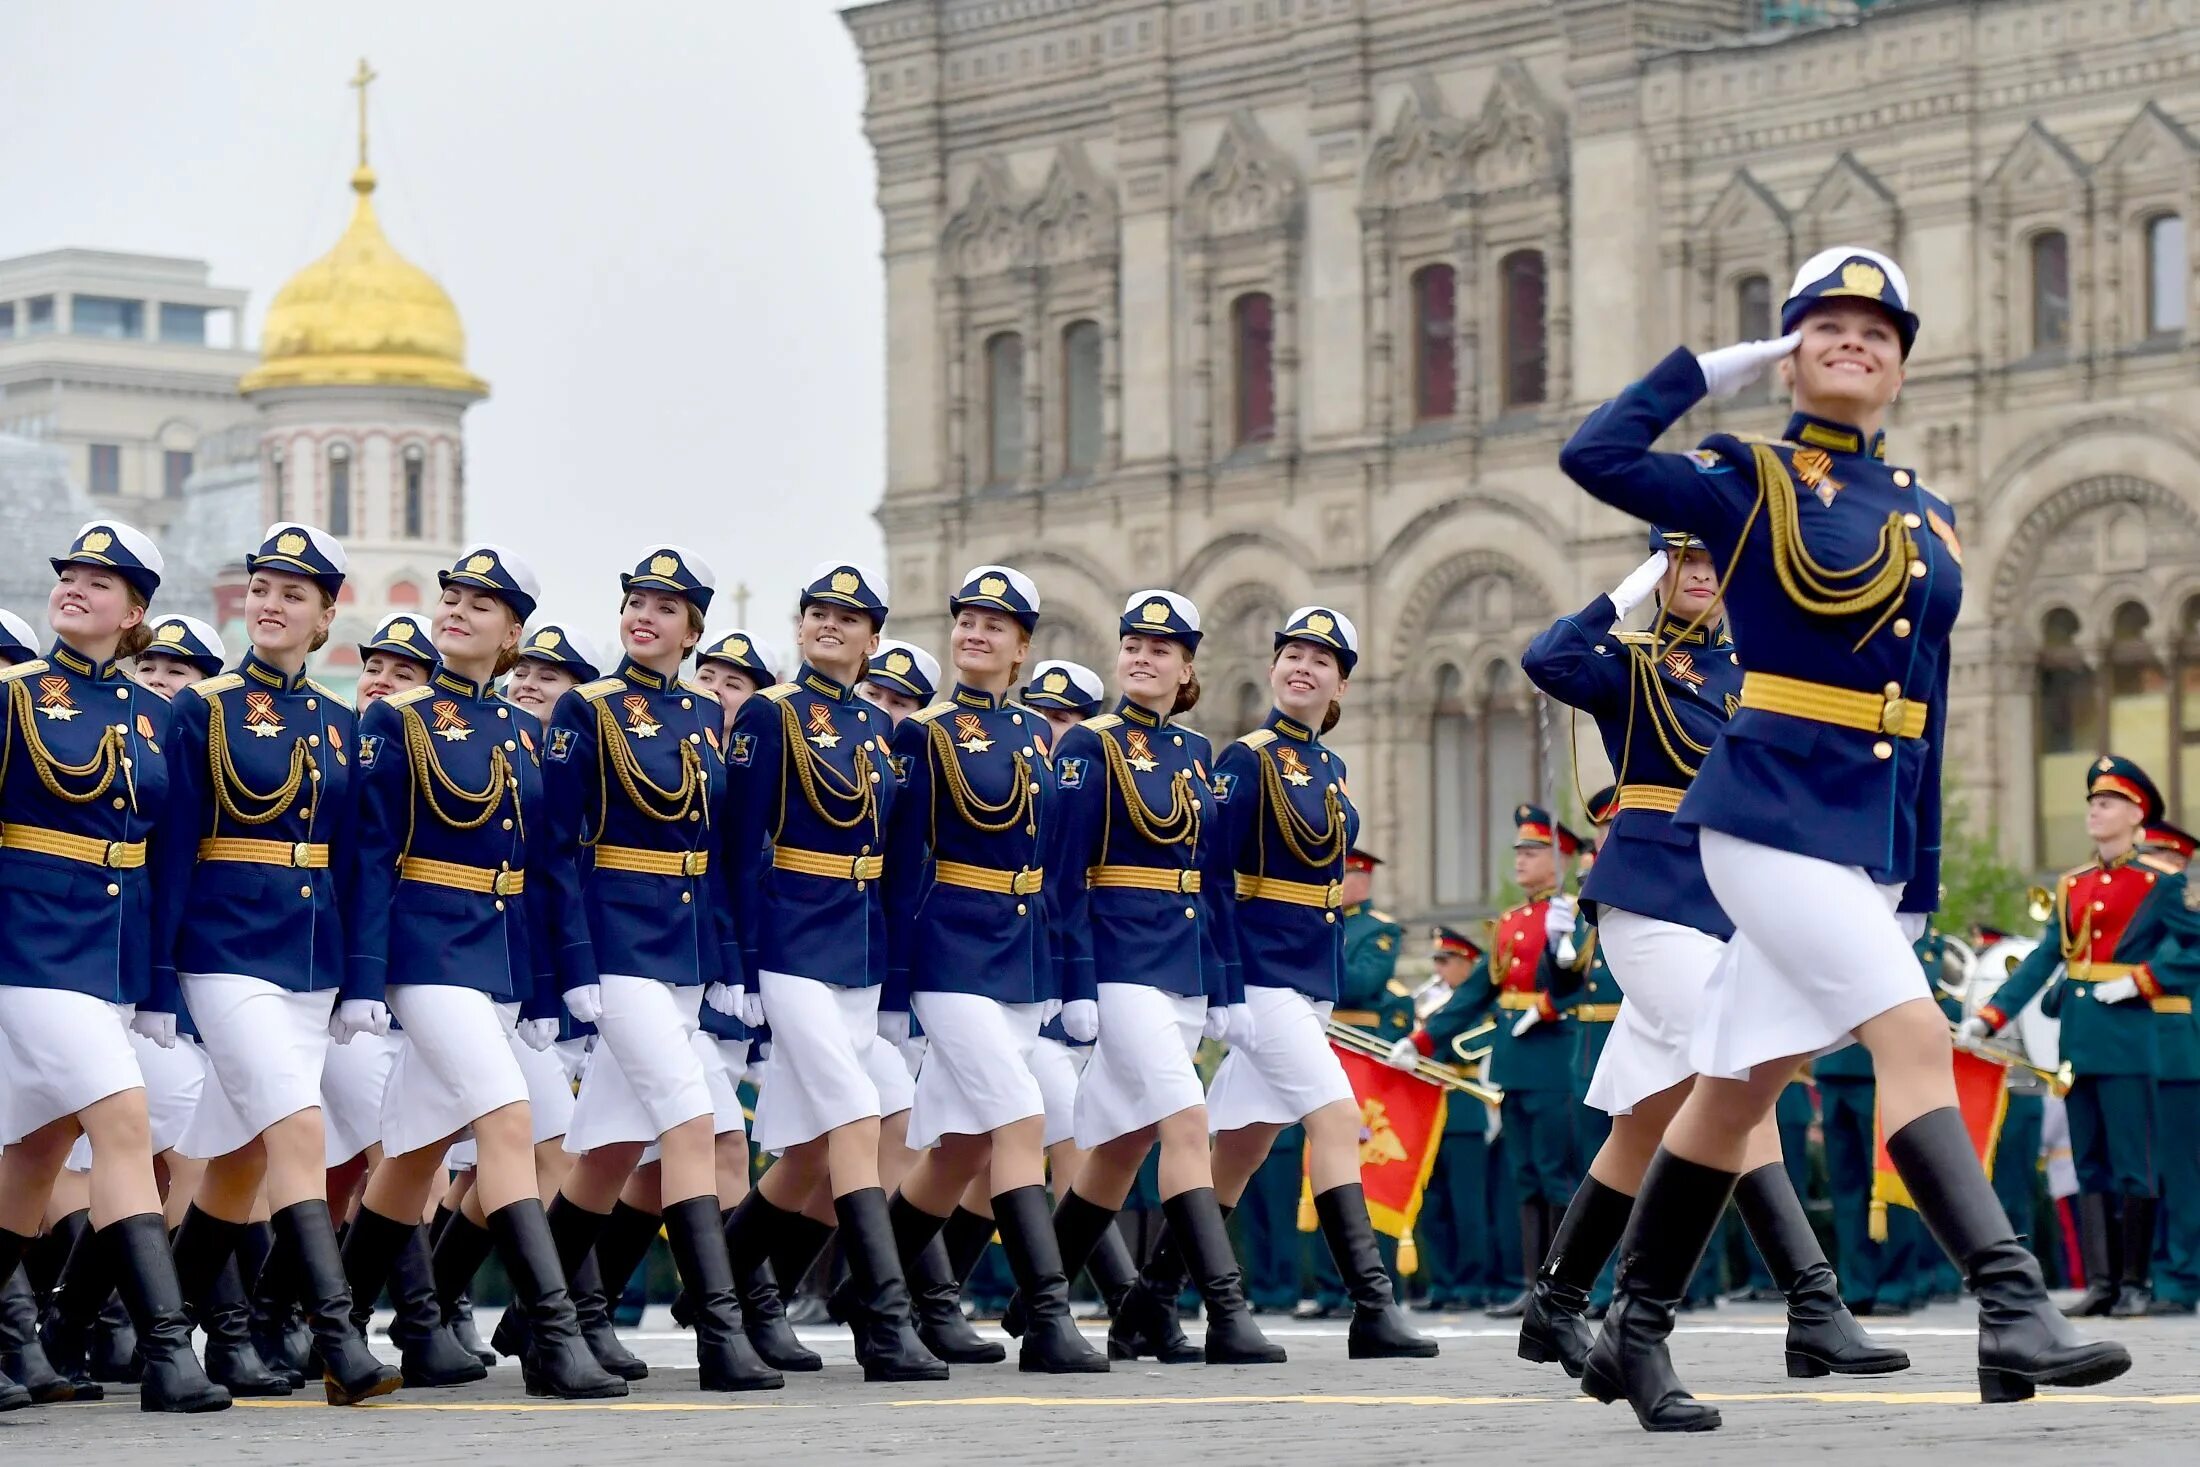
(1476, 1400)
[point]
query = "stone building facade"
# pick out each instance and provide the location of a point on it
(1280, 301)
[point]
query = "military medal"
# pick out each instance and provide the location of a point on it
(822, 733)
(638, 722)
(260, 715)
(1140, 752)
(1294, 768)
(53, 699)
(448, 723)
(1814, 466)
(970, 733)
(1683, 667)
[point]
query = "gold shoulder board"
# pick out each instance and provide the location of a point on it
(2155, 863)
(1104, 721)
(324, 689)
(211, 687)
(600, 689)
(1259, 738)
(23, 669)
(690, 685)
(1636, 639)
(928, 714)
(778, 692)
(410, 696)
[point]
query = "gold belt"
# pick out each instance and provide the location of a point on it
(652, 863)
(2085, 972)
(1648, 797)
(480, 879)
(1357, 1018)
(2170, 1003)
(839, 868)
(1325, 894)
(989, 878)
(1141, 878)
(1517, 999)
(118, 855)
(302, 856)
(1596, 1013)
(1880, 713)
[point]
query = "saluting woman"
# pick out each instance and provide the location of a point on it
(1283, 821)
(1140, 972)
(82, 787)
(246, 918)
(451, 934)
(967, 931)
(1818, 812)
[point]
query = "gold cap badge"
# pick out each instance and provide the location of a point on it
(1320, 624)
(1156, 612)
(993, 586)
(737, 646)
(404, 629)
(1055, 682)
(481, 565)
(1858, 278)
(847, 583)
(290, 543)
(665, 565)
(170, 631)
(98, 541)
(548, 639)
(897, 663)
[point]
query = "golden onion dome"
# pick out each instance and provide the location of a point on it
(362, 315)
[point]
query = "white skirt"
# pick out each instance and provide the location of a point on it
(175, 1080)
(975, 1078)
(725, 1061)
(264, 1046)
(821, 1065)
(1056, 1066)
(1816, 951)
(891, 1074)
(353, 1078)
(549, 1089)
(645, 1076)
(455, 1067)
(1287, 1074)
(1141, 1068)
(1663, 969)
(62, 1052)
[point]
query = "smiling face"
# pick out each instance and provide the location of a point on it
(1149, 670)
(987, 646)
(91, 607)
(898, 705)
(537, 685)
(1691, 586)
(1304, 680)
(384, 673)
(473, 627)
(657, 628)
(836, 640)
(732, 686)
(1849, 365)
(2111, 821)
(285, 615)
(163, 674)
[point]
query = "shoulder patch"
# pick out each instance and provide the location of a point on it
(22, 669)
(1104, 721)
(209, 687)
(1382, 916)
(778, 692)
(932, 711)
(600, 689)
(410, 696)
(1259, 738)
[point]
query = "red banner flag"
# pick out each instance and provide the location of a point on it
(1401, 1124)
(1982, 1093)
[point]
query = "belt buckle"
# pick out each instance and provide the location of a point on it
(1022, 883)
(690, 862)
(503, 884)
(1893, 715)
(1333, 894)
(300, 855)
(112, 856)
(1184, 882)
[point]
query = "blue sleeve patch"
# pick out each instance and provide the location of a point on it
(370, 745)
(1224, 783)
(744, 749)
(1071, 774)
(561, 745)
(1708, 462)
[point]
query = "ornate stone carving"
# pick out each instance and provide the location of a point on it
(1248, 187)
(987, 236)
(1073, 218)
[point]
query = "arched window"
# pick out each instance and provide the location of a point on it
(403, 595)
(2138, 691)
(339, 489)
(1253, 365)
(1435, 344)
(1753, 322)
(1249, 707)
(416, 493)
(2070, 736)
(1004, 408)
(2050, 291)
(1527, 350)
(1081, 427)
(1484, 750)
(2167, 273)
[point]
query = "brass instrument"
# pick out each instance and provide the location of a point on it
(1361, 1042)
(1959, 958)
(2056, 1080)
(2039, 904)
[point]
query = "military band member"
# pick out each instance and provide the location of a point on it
(1371, 947)
(2177, 1102)
(1588, 994)
(1847, 577)
(1141, 979)
(452, 935)
(1283, 821)
(82, 786)
(811, 792)
(256, 853)
(183, 651)
(2115, 1008)
(1456, 1246)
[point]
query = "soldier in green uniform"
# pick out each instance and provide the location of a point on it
(2177, 1120)
(1587, 994)
(1365, 1001)
(2017, 1152)
(1454, 1238)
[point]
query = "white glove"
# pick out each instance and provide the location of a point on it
(1049, 1011)
(1640, 582)
(1237, 1029)
(585, 1003)
(538, 1034)
(357, 1016)
(1913, 925)
(156, 1026)
(1732, 368)
(2115, 990)
(1559, 917)
(724, 998)
(1974, 1030)
(1218, 1022)
(1081, 1020)
(1526, 1022)
(1403, 1055)
(893, 1026)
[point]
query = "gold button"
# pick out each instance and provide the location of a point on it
(1912, 521)
(1893, 690)
(1902, 626)
(874, 776)
(312, 703)
(687, 702)
(306, 892)
(1325, 758)
(862, 717)
(121, 803)
(1179, 739)
(1902, 481)
(695, 738)
(122, 692)
(313, 774)
(695, 814)
(507, 825)
(1882, 750)
(305, 812)
(864, 852)
(510, 745)
(1034, 786)
(113, 889)
(504, 713)
(2098, 906)
(1195, 804)
(1516, 962)
(512, 783)
(859, 886)
(1027, 751)
(126, 764)
(500, 904)
(1020, 909)
(314, 740)
(1917, 570)
(1329, 916)
(687, 896)
(1190, 912)
(1016, 718)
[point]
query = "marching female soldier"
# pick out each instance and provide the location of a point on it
(184, 650)
(811, 794)
(1140, 972)
(1846, 576)
(18, 643)
(634, 786)
(1660, 699)
(968, 936)
(398, 656)
(445, 937)
(246, 920)
(1284, 819)
(82, 785)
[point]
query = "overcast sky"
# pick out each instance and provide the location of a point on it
(656, 218)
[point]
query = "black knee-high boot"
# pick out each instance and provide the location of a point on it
(22, 1359)
(458, 1310)
(1555, 1326)
(935, 1290)
(2098, 1240)
(378, 1248)
(1052, 1344)
(2135, 1290)
(460, 1248)
(1146, 1319)
(205, 1249)
(1379, 1330)
(146, 1275)
(1204, 1239)
(755, 1233)
(576, 1230)
(81, 1290)
(276, 1324)
(558, 1361)
(2022, 1342)
(1535, 1240)
(1674, 1217)
(885, 1335)
(349, 1371)
(728, 1361)
(620, 1248)
(1822, 1337)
